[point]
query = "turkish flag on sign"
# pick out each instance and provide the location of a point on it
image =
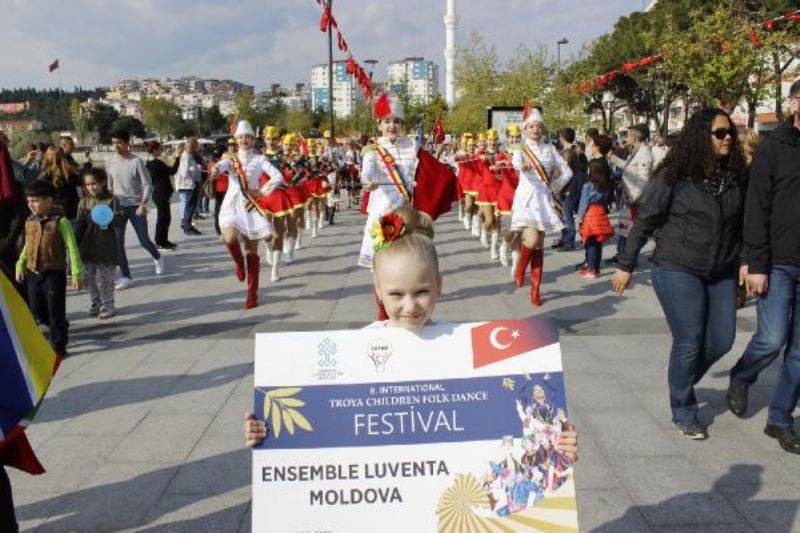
(496, 341)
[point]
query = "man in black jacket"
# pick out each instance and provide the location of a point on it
(772, 250)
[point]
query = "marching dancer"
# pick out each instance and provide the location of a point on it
(505, 199)
(280, 210)
(492, 164)
(387, 170)
(240, 215)
(542, 173)
(466, 179)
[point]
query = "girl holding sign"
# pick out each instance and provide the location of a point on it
(98, 213)
(241, 216)
(409, 283)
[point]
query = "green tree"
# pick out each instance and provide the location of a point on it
(101, 119)
(212, 121)
(161, 115)
(715, 56)
(132, 124)
(186, 128)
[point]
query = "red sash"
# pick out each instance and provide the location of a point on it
(249, 202)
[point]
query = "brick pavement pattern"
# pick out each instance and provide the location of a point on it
(141, 430)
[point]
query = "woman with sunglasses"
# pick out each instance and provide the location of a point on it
(694, 206)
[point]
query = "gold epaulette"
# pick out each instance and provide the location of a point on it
(368, 148)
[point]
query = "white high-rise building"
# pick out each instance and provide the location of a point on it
(419, 76)
(346, 92)
(450, 24)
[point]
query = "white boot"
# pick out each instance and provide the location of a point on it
(269, 252)
(307, 219)
(467, 221)
(493, 247)
(476, 227)
(288, 257)
(514, 262)
(297, 245)
(321, 221)
(276, 262)
(484, 238)
(460, 213)
(285, 245)
(313, 229)
(504, 253)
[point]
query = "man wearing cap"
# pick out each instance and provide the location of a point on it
(636, 170)
(240, 216)
(387, 169)
(542, 174)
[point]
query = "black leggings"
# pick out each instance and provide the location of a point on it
(8, 520)
(163, 219)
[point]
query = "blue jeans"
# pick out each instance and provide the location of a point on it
(188, 206)
(778, 326)
(568, 218)
(139, 223)
(702, 319)
(594, 254)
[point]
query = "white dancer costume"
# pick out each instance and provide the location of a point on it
(232, 212)
(386, 197)
(533, 204)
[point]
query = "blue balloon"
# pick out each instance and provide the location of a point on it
(102, 215)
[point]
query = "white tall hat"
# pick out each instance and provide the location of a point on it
(244, 128)
(533, 116)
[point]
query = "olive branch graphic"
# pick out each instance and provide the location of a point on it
(280, 409)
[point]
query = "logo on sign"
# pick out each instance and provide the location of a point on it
(326, 360)
(379, 351)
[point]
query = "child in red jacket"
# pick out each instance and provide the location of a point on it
(595, 227)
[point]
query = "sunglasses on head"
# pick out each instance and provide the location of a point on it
(721, 133)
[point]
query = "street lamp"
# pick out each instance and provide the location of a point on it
(561, 41)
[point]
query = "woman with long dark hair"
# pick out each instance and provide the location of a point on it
(694, 205)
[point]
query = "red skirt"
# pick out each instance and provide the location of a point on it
(318, 187)
(277, 203)
(508, 187)
(488, 188)
(298, 195)
(596, 224)
(467, 175)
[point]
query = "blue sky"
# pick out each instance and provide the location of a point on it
(264, 41)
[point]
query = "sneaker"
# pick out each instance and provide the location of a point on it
(159, 264)
(737, 398)
(694, 431)
(788, 439)
(193, 231)
(94, 309)
(586, 273)
(107, 312)
(168, 246)
(123, 283)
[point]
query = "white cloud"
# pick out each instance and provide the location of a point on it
(261, 42)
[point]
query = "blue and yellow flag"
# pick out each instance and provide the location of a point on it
(27, 363)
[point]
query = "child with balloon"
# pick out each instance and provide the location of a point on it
(98, 213)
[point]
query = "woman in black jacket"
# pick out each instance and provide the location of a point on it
(161, 176)
(694, 205)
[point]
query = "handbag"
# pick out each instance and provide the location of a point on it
(207, 188)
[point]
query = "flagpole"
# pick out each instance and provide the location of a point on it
(330, 67)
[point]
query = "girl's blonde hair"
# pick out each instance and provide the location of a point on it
(417, 241)
(55, 167)
(750, 140)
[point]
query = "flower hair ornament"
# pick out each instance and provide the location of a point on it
(386, 230)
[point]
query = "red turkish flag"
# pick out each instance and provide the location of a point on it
(503, 339)
(53, 66)
(438, 132)
(436, 185)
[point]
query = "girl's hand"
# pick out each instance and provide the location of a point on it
(20, 277)
(567, 443)
(76, 283)
(620, 281)
(255, 431)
